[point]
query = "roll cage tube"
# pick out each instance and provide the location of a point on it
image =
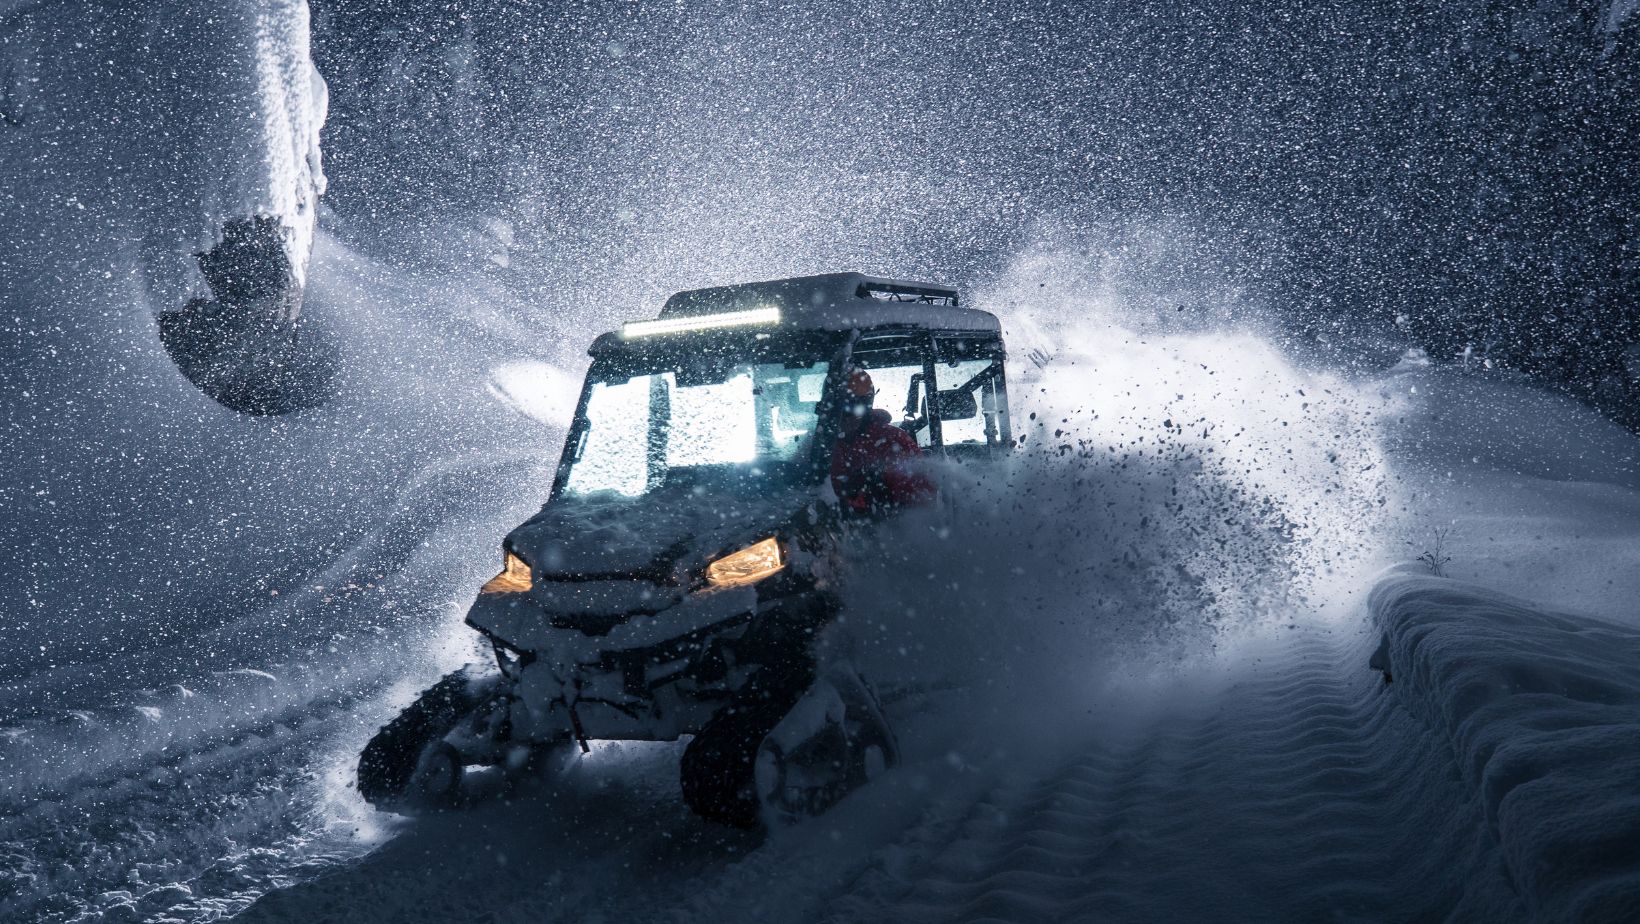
(825, 432)
(574, 441)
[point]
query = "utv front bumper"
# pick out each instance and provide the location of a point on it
(651, 676)
(634, 617)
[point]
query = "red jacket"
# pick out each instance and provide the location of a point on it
(879, 468)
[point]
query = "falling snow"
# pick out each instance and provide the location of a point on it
(1306, 591)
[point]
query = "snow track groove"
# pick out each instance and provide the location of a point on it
(190, 835)
(1307, 794)
(195, 757)
(344, 629)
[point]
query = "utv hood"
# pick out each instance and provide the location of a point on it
(662, 537)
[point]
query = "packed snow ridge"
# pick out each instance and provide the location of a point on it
(1543, 711)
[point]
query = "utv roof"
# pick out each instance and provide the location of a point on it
(833, 301)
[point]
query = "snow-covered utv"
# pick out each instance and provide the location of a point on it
(684, 564)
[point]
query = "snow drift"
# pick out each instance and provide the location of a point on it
(156, 546)
(1178, 489)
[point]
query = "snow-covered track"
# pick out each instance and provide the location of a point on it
(1305, 788)
(191, 833)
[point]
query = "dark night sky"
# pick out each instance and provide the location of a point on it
(1440, 174)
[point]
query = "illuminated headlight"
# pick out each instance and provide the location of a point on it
(747, 566)
(700, 322)
(514, 578)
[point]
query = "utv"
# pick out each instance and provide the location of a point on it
(685, 561)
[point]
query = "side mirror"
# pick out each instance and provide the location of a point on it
(958, 404)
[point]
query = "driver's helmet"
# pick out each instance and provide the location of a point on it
(859, 394)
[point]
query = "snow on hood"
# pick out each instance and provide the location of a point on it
(664, 530)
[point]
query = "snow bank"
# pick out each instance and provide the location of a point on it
(170, 155)
(1543, 710)
(1537, 495)
(1481, 423)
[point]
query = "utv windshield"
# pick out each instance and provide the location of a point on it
(735, 426)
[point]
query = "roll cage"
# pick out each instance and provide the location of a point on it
(957, 376)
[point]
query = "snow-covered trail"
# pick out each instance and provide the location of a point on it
(1300, 791)
(1298, 786)
(1303, 791)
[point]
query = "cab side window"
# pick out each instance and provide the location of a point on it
(946, 390)
(963, 422)
(972, 400)
(899, 367)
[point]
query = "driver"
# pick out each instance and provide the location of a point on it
(876, 467)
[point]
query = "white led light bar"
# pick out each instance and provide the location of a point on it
(746, 318)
